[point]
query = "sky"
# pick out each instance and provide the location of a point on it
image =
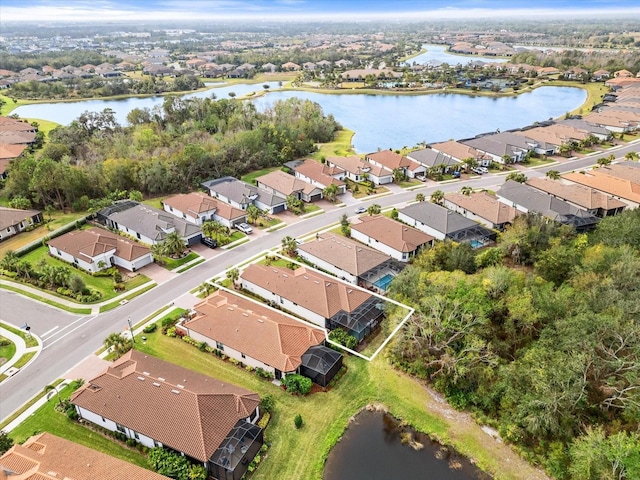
(338, 10)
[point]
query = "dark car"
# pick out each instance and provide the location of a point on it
(209, 242)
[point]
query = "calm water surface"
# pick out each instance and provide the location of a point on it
(380, 121)
(371, 449)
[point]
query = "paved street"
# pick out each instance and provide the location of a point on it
(68, 339)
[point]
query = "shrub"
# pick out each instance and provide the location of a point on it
(295, 383)
(76, 284)
(339, 335)
(297, 421)
(171, 332)
(202, 346)
(152, 327)
(267, 402)
(131, 442)
(264, 421)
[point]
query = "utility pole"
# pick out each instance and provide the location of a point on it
(133, 338)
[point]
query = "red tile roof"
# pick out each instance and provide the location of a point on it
(394, 234)
(184, 410)
(86, 244)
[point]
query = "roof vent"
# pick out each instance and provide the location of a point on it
(141, 378)
(245, 314)
(316, 282)
(161, 379)
(146, 373)
(180, 386)
(260, 320)
(350, 291)
(177, 392)
(156, 384)
(230, 309)
(285, 275)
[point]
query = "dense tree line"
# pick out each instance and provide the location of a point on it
(169, 149)
(539, 336)
(591, 60)
(75, 58)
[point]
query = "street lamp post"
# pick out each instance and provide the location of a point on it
(133, 338)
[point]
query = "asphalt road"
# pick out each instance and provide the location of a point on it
(68, 339)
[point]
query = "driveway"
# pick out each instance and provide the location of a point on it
(157, 273)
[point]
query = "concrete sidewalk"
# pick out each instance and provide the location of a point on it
(95, 307)
(21, 348)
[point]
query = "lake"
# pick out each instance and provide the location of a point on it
(437, 54)
(380, 121)
(372, 449)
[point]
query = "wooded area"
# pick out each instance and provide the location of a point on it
(540, 338)
(166, 150)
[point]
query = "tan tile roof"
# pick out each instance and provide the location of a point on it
(255, 330)
(184, 410)
(389, 159)
(581, 195)
(192, 203)
(556, 133)
(396, 235)
(318, 172)
(16, 136)
(600, 180)
(13, 216)
(286, 184)
(9, 151)
(48, 457)
(352, 164)
(348, 255)
(457, 150)
(623, 171)
(486, 206)
(94, 241)
(8, 124)
(314, 291)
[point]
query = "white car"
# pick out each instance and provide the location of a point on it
(361, 210)
(483, 169)
(244, 228)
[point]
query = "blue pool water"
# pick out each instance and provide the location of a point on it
(383, 283)
(476, 244)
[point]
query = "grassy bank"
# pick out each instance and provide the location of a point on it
(340, 147)
(595, 91)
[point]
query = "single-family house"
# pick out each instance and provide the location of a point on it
(482, 207)
(283, 185)
(442, 223)
(96, 249)
(626, 189)
(581, 196)
(601, 74)
(148, 224)
(429, 158)
(197, 208)
(597, 131)
(48, 457)
(351, 261)
(319, 174)
(251, 333)
(288, 66)
(528, 199)
(240, 195)
(357, 170)
(615, 120)
(391, 161)
(399, 241)
(14, 221)
(498, 147)
(322, 300)
(461, 152)
(160, 404)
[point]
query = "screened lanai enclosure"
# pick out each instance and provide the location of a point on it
(231, 459)
(321, 364)
(361, 321)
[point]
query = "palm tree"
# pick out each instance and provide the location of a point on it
(469, 163)
(289, 245)
(632, 156)
(118, 344)
(517, 177)
(50, 388)
(174, 244)
(420, 197)
(253, 213)
(604, 161)
(233, 274)
(553, 174)
(9, 261)
(466, 190)
(330, 192)
(374, 209)
(437, 197)
(210, 228)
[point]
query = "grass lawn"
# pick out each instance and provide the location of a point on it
(275, 262)
(326, 414)
(251, 176)
(411, 182)
(198, 262)
(137, 293)
(267, 222)
(28, 340)
(6, 351)
(156, 201)
(310, 208)
(340, 147)
(171, 263)
(24, 359)
(46, 419)
(536, 162)
(79, 311)
(103, 284)
(58, 219)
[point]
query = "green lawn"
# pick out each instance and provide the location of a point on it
(156, 201)
(117, 303)
(79, 311)
(30, 341)
(251, 176)
(58, 219)
(103, 284)
(6, 351)
(340, 147)
(46, 419)
(171, 263)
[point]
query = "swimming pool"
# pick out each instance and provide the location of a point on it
(476, 244)
(383, 283)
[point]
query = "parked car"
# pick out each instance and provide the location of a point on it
(483, 169)
(361, 210)
(477, 170)
(244, 228)
(455, 174)
(209, 242)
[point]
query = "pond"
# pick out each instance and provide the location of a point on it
(380, 121)
(437, 54)
(372, 448)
